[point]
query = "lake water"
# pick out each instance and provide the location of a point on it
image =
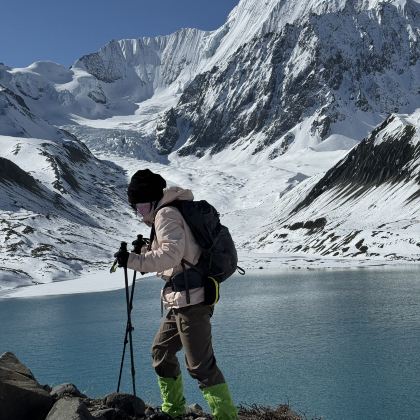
(341, 345)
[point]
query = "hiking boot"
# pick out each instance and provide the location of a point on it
(220, 402)
(172, 394)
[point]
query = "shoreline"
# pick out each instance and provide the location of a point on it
(261, 264)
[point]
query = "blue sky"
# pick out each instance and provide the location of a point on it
(62, 31)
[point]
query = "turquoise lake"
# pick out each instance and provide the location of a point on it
(337, 344)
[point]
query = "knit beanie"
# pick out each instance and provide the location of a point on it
(145, 186)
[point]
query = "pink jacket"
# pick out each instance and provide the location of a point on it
(173, 242)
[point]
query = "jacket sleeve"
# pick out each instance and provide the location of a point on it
(170, 235)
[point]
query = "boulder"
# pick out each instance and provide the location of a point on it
(132, 405)
(159, 415)
(195, 409)
(21, 396)
(66, 390)
(110, 414)
(149, 411)
(69, 409)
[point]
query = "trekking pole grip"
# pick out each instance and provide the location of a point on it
(123, 247)
(138, 245)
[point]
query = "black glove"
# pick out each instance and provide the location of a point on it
(139, 243)
(122, 258)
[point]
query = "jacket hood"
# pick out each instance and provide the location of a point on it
(169, 194)
(175, 193)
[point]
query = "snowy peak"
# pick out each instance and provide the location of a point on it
(156, 61)
(55, 73)
(258, 17)
(314, 80)
(390, 155)
(365, 206)
(252, 18)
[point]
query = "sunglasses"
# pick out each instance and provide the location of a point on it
(141, 208)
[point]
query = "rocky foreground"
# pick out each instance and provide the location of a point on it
(23, 398)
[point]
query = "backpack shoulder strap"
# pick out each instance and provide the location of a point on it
(152, 237)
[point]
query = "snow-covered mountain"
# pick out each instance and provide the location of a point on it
(278, 75)
(58, 203)
(257, 117)
(320, 76)
(367, 205)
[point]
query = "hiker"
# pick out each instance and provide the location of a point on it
(187, 322)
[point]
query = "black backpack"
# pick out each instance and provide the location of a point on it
(218, 260)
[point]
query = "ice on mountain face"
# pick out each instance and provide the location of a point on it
(138, 67)
(333, 69)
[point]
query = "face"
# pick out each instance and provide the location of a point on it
(143, 209)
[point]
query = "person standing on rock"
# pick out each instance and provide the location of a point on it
(187, 322)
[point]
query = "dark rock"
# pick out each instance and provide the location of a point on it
(295, 226)
(69, 409)
(160, 416)
(46, 387)
(103, 70)
(97, 96)
(21, 396)
(68, 390)
(195, 409)
(254, 412)
(149, 411)
(132, 405)
(110, 414)
(167, 133)
(315, 224)
(10, 172)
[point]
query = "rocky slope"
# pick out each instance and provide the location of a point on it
(58, 203)
(25, 398)
(296, 86)
(366, 206)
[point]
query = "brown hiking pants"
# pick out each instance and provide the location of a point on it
(188, 328)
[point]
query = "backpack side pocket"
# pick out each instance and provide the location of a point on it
(211, 291)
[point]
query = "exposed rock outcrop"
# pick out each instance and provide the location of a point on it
(21, 396)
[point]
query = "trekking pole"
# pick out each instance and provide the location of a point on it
(128, 334)
(138, 243)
